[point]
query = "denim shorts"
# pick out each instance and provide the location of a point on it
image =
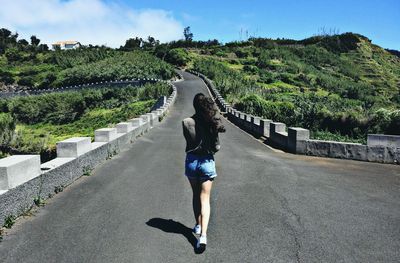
(200, 166)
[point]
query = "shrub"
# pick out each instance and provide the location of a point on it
(227, 80)
(177, 56)
(48, 81)
(13, 55)
(281, 111)
(6, 77)
(127, 65)
(45, 119)
(7, 127)
(25, 109)
(250, 69)
(153, 91)
(385, 121)
(242, 53)
(26, 81)
(66, 107)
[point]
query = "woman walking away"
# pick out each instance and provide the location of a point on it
(202, 142)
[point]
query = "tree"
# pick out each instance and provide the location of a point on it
(151, 40)
(35, 41)
(150, 43)
(4, 33)
(23, 42)
(161, 51)
(43, 47)
(7, 39)
(188, 35)
(133, 43)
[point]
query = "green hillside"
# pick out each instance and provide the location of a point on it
(33, 66)
(33, 124)
(340, 87)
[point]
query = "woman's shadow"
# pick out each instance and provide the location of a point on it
(171, 226)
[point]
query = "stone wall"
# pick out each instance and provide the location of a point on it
(380, 148)
(101, 84)
(23, 179)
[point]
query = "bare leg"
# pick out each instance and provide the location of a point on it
(205, 205)
(196, 187)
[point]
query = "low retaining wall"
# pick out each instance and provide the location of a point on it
(101, 84)
(380, 148)
(23, 180)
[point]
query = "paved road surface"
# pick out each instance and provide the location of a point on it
(266, 206)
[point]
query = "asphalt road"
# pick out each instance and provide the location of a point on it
(266, 206)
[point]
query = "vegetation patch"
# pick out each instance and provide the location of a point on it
(34, 124)
(38, 201)
(9, 221)
(58, 189)
(87, 171)
(34, 66)
(341, 87)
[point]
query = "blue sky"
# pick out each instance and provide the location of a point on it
(111, 22)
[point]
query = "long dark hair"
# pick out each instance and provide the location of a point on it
(206, 110)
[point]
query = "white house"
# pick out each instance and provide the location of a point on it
(66, 44)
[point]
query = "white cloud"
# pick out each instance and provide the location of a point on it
(87, 21)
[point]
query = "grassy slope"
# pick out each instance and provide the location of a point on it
(295, 70)
(43, 120)
(43, 136)
(371, 63)
(62, 68)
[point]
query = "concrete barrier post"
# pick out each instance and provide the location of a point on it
(278, 135)
(137, 126)
(123, 127)
(18, 169)
(105, 134)
(256, 120)
(248, 123)
(136, 122)
(255, 125)
(296, 139)
(146, 122)
(156, 118)
(265, 127)
(73, 147)
(277, 127)
(242, 119)
(151, 119)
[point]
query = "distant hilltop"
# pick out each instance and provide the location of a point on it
(394, 52)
